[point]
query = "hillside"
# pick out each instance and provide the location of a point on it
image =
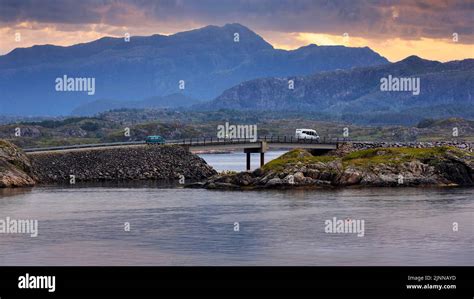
(170, 101)
(110, 126)
(355, 95)
(208, 60)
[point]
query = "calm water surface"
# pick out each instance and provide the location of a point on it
(84, 225)
(236, 160)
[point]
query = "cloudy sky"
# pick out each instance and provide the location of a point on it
(432, 29)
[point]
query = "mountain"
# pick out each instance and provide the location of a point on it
(446, 90)
(175, 100)
(209, 60)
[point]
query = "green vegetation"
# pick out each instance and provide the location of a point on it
(90, 126)
(179, 124)
(56, 123)
(392, 156)
(293, 157)
(447, 122)
(368, 157)
(425, 123)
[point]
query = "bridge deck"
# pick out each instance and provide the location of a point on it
(212, 144)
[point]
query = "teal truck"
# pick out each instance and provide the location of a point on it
(155, 140)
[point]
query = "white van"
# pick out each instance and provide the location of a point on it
(306, 134)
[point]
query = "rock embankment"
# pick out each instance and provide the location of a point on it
(467, 146)
(148, 162)
(372, 167)
(15, 167)
(349, 147)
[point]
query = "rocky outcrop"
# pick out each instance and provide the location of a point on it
(380, 167)
(15, 167)
(147, 162)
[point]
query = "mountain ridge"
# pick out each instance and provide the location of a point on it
(357, 90)
(206, 59)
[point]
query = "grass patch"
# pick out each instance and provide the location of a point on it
(396, 156)
(363, 158)
(293, 157)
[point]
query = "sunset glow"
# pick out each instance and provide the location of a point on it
(436, 30)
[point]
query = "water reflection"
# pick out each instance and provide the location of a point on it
(6, 192)
(169, 226)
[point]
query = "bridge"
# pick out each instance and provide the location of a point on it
(249, 146)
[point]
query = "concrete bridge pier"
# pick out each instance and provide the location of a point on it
(262, 149)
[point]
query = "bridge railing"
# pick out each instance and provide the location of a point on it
(270, 139)
(211, 140)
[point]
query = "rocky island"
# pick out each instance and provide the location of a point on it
(378, 167)
(349, 165)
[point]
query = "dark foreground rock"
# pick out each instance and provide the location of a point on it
(381, 167)
(147, 162)
(15, 167)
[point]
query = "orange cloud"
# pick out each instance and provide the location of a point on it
(394, 49)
